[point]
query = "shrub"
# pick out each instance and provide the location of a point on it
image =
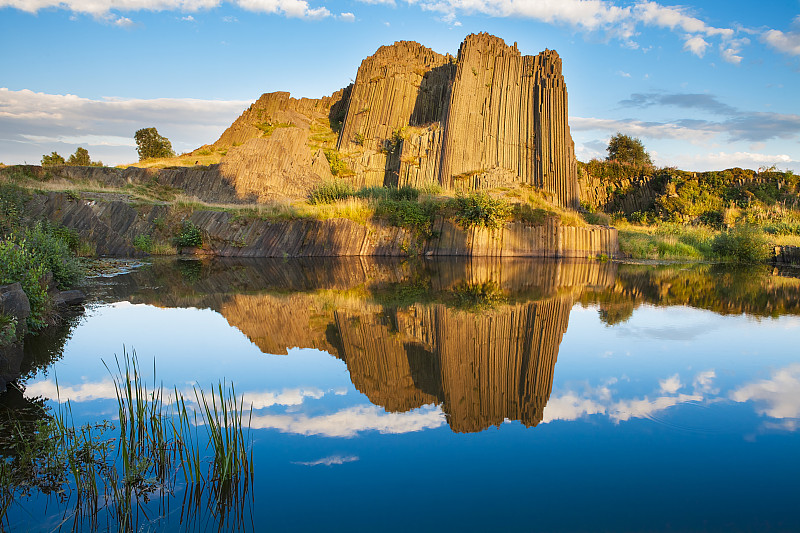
(143, 243)
(8, 329)
(18, 264)
(480, 209)
(189, 236)
(329, 192)
(744, 244)
(51, 251)
(409, 214)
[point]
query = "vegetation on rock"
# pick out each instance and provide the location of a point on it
(626, 149)
(149, 144)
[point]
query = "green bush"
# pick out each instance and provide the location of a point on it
(18, 264)
(190, 235)
(143, 243)
(480, 209)
(406, 192)
(744, 244)
(8, 329)
(12, 206)
(329, 192)
(52, 251)
(410, 214)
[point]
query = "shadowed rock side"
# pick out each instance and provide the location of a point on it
(404, 84)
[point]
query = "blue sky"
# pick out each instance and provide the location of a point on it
(705, 85)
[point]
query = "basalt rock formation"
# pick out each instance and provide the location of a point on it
(488, 117)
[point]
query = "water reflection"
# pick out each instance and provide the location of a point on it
(479, 338)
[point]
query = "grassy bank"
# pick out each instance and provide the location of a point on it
(35, 253)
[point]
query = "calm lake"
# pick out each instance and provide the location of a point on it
(513, 395)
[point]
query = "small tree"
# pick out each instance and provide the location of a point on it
(150, 144)
(80, 158)
(626, 149)
(52, 160)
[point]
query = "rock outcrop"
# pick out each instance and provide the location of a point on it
(488, 118)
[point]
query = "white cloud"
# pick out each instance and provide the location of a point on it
(260, 400)
(123, 22)
(352, 421)
(638, 128)
(229, 19)
(37, 121)
(188, 18)
(347, 17)
(778, 397)
(96, 8)
(623, 74)
(329, 461)
(289, 8)
(696, 45)
(670, 385)
(785, 42)
(718, 160)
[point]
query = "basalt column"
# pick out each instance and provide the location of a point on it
(507, 121)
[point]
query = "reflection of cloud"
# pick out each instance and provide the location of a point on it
(671, 385)
(778, 397)
(105, 390)
(329, 461)
(702, 382)
(259, 400)
(85, 392)
(570, 407)
(353, 420)
(600, 401)
(646, 408)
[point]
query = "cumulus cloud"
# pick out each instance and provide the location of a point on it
(289, 8)
(696, 45)
(329, 461)
(347, 17)
(93, 7)
(784, 42)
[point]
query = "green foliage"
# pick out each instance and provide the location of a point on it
(530, 215)
(626, 149)
(8, 329)
(143, 243)
(80, 159)
(149, 144)
(480, 209)
(744, 244)
(268, 127)
(18, 264)
(338, 165)
(329, 192)
(190, 235)
(12, 206)
(52, 160)
(53, 247)
(478, 297)
(406, 192)
(411, 214)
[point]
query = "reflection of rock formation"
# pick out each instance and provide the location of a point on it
(484, 368)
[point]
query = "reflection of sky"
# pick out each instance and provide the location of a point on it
(674, 418)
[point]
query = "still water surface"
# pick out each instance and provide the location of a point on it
(514, 395)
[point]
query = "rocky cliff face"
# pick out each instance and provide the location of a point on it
(490, 117)
(487, 118)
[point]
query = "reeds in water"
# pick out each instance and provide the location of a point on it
(156, 449)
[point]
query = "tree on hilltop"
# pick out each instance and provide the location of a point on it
(52, 160)
(627, 149)
(80, 158)
(150, 144)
